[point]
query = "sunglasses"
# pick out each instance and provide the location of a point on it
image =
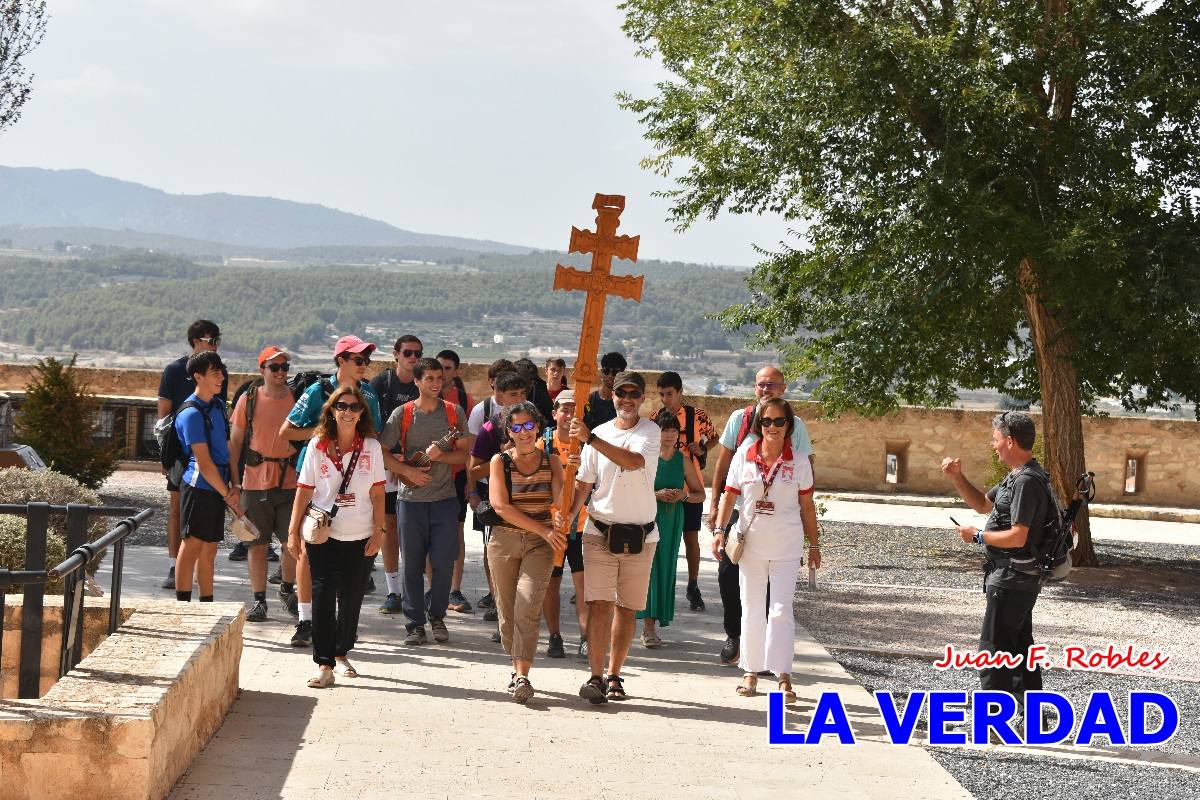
(360, 361)
(517, 427)
(211, 341)
(354, 408)
(631, 394)
(769, 384)
(412, 353)
(778, 422)
(284, 367)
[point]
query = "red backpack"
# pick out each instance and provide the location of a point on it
(747, 423)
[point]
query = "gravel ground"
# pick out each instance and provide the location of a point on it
(887, 638)
(146, 490)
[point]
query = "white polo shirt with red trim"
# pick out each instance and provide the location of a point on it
(778, 536)
(355, 517)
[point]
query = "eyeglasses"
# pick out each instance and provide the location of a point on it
(211, 341)
(412, 353)
(768, 384)
(360, 361)
(517, 427)
(778, 422)
(610, 371)
(630, 394)
(284, 367)
(353, 408)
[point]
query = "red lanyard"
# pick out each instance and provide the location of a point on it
(769, 479)
(337, 458)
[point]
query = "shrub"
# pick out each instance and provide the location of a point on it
(57, 419)
(12, 549)
(18, 486)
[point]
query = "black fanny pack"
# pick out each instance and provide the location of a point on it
(624, 538)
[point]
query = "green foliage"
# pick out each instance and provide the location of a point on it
(932, 148)
(12, 550)
(997, 471)
(57, 419)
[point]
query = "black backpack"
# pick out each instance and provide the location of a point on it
(300, 382)
(171, 452)
(1051, 544)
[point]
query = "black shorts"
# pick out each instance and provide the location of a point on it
(692, 514)
(389, 503)
(202, 514)
(460, 488)
(574, 556)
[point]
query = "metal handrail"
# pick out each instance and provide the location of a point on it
(83, 554)
(22, 509)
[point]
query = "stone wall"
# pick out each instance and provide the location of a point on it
(95, 629)
(128, 720)
(851, 450)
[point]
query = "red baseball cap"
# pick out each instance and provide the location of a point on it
(271, 351)
(352, 344)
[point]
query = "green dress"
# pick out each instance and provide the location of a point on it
(660, 598)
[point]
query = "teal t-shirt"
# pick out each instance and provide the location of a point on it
(307, 411)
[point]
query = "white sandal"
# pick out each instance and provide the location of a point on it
(345, 669)
(322, 680)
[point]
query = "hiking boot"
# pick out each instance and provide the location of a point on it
(303, 635)
(459, 603)
(556, 649)
(169, 583)
(238, 553)
(491, 615)
(272, 553)
(370, 588)
(416, 636)
(438, 626)
(391, 605)
(257, 612)
(276, 577)
(487, 601)
(290, 602)
(582, 652)
(522, 689)
(694, 598)
(729, 653)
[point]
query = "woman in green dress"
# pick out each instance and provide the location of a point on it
(677, 480)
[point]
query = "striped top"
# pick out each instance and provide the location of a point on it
(533, 493)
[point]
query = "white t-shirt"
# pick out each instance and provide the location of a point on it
(355, 517)
(622, 495)
(780, 535)
(476, 419)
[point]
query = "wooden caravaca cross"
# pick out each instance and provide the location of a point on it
(598, 283)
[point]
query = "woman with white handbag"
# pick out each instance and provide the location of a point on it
(777, 514)
(338, 517)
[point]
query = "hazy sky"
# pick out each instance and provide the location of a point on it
(481, 118)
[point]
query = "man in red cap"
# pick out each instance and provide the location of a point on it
(351, 356)
(268, 486)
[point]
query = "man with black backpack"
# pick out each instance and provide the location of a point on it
(768, 382)
(175, 386)
(1019, 509)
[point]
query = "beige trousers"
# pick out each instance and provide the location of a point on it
(521, 563)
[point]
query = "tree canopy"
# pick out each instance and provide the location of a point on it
(996, 194)
(22, 26)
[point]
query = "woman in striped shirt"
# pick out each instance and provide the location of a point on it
(524, 481)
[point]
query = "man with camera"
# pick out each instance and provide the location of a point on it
(1020, 503)
(618, 465)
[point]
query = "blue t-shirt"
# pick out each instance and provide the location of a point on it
(189, 424)
(307, 411)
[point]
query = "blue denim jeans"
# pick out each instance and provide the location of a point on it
(427, 530)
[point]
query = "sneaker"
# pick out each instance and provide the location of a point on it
(459, 603)
(391, 605)
(487, 601)
(438, 626)
(556, 649)
(582, 652)
(276, 577)
(257, 612)
(303, 635)
(572, 599)
(238, 553)
(290, 602)
(496, 637)
(694, 598)
(416, 636)
(522, 690)
(272, 553)
(370, 588)
(512, 682)
(169, 583)
(729, 653)
(428, 596)
(491, 615)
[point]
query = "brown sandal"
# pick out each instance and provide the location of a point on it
(749, 685)
(785, 686)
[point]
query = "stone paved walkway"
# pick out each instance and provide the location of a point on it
(436, 721)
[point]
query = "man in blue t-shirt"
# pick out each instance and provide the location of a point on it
(205, 488)
(351, 356)
(768, 382)
(175, 386)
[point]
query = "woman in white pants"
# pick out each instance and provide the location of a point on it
(777, 514)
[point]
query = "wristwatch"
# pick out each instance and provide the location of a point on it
(591, 435)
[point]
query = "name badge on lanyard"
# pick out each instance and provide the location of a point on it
(765, 506)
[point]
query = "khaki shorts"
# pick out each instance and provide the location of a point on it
(608, 576)
(271, 512)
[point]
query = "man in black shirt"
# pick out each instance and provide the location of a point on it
(174, 388)
(600, 408)
(1018, 509)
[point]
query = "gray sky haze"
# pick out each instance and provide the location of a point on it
(479, 118)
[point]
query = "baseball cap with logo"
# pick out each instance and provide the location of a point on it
(630, 378)
(271, 351)
(352, 344)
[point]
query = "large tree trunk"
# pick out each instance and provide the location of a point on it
(1062, 420)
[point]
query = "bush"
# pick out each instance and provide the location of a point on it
(58, 420)
(12, 549)
(18, 486)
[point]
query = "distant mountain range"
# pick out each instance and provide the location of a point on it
(76, 198)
